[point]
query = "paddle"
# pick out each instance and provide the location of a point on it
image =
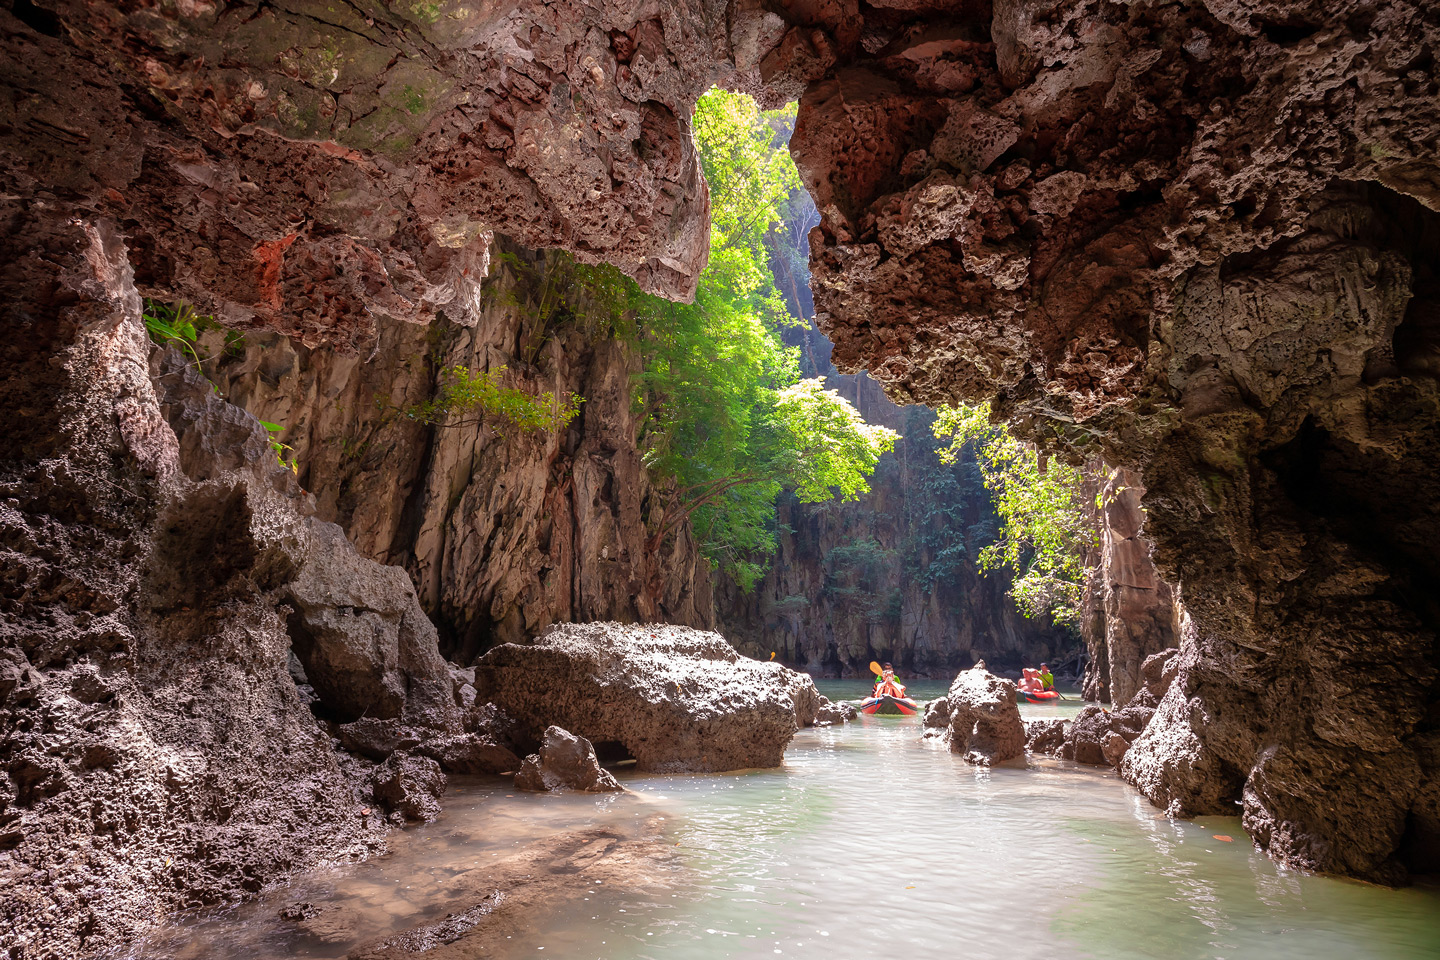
(875, 668)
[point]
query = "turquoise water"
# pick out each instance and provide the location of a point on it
(870, 843)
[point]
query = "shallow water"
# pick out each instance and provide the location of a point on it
(871, 843)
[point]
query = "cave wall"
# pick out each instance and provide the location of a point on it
(1128, 611)
(1192, 240)
(178, 630)
(503, 532)
(891, 575)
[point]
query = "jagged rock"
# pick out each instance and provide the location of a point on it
(830, 712)
(937, 713)
(1129, 611)
(674, 698)
(1088, 734)
(565, 761)
(985, 726)
(577, 138)
(1045, 736)
(505, 532)
(410, 786)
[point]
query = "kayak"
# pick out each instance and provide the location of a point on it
(1045, 696)
(888, 706)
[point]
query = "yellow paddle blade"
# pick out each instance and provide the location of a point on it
(875, 668)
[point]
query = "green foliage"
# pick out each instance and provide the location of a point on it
(274, 430)
(726, 421)
(1043, 526)
(463, 391)
(177, 324)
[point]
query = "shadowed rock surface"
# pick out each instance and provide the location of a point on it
(984, 718)
(673, 698)
(1103, 737)
(564, 762)
(1128, 612)
(502, 532)
(158, 750)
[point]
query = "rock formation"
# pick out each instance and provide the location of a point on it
(1103, 737)
(1196, 240)
(564, 762)
(1128, 612)
(503, 533)
(313, 168)
(159, 567)
(891, 576)
(1199, 242)
(984, 718)
(673, 698)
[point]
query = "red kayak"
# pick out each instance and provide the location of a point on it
(888, 706)
(1043, 696)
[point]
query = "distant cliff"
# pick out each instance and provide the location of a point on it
(891, 576)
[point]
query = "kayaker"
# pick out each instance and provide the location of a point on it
(887, 686)
(1030, 680)
(1047, 679)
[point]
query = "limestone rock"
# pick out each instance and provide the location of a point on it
(410, 786)
(1129, 611)
(830, 712)
(674, 698)
(985, 725)
(502, 532)
(564, 761)
(1045, 736)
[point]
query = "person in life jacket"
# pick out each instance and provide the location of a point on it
(1047, 679)
(887, 686)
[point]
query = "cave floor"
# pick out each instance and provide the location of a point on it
(868, 842)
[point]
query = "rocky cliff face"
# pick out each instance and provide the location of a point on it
(1197, 240)
(892, 575)
(502, 532)
(179, 629)
(1128, 612)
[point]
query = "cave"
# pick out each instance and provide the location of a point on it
(1186, 250)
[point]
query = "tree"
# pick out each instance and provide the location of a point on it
(726, 421)
(1042, 513)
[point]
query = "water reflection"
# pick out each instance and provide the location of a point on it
(871, 843)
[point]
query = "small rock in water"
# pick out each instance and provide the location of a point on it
(565, 761)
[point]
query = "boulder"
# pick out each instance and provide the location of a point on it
(985, 726)
(831, 712)
(367, 647)
(410, 786)
(565, 761)
(937, 719)
(1045, 736)
(1103, 738)
(674, 698)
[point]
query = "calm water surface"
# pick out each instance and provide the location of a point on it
(871, 843)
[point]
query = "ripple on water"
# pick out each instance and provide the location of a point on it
(868, 843)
